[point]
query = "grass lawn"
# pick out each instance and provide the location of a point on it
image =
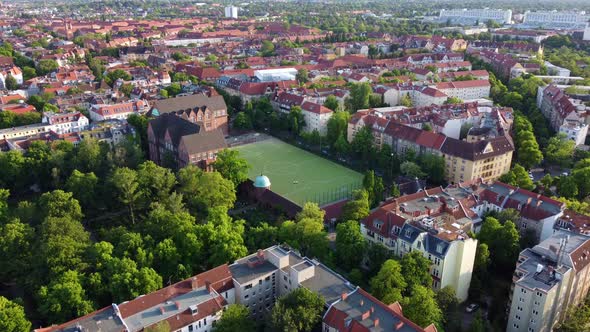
(299, 175)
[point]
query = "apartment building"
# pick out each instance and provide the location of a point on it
(256, 281)
(359, 311)
(59, 123)
(565, 114)
(192, 305)
(476, 15)
(435, 222)
(118, 111)
(555, 19)
(549, 278)
(316, 117)
(465, 90)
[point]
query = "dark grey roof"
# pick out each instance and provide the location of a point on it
(214, 103)
(175, 125)
(409, 233)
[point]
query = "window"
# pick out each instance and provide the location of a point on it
(190, 328)
(248, 286)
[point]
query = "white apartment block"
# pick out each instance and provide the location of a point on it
(316, 117)
(555, 19)
(466, 90)
(549, 278)
(575, 128)
(59, 123)
(231, 12)
(481, 14)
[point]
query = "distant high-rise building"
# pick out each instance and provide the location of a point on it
(555, 19)
(471, 16)
(231, 12)
(586, 32)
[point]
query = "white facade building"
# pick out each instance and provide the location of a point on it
(231, 12)
(275, 75)
(473, 15)
(549, 278)
(555, 19)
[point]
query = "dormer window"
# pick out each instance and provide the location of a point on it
(439, 248)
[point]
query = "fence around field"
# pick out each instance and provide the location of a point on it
(335, 194)
(246, 139)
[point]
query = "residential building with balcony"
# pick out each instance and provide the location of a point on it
(476, 15)
(549, 278)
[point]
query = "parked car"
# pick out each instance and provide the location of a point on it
(472, 307)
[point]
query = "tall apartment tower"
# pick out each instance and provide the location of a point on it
(231, 12)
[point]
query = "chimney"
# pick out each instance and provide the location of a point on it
(177, 305)
(399, 325)
(376, 322)
(372, 309)
(366, 315)
(344, 296)
(162, 310)
(194, 283)
(260, 254)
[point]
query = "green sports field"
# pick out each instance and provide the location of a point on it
(297, 174)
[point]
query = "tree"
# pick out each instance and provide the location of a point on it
(416, 269)
(235, 318)
(421, 307)
(482, 259)
(518, 177)
(299, 311)
(83, 187)
(528, 150)
(12, 317)
(261, 236)
(363, 143)
(478, 324)
(232, 166)
(337, 127)
(449, 306)
(357, 208)
(46, 66)
(568, 187)
(453, 100)
(226, 243)
(28, 73)
(204, 191)
(115, 75)
(302, 76)
(155, 182)
(242, 121)
(406, 101)
(389, 283)
(359, 96)
(64, 298)
(162, 326)
(267, 48)
(10, 82)
(124, 180)
(88, 155)
(60, 204)
(560, 150)
(296, 120)
(332, 103)
(350, 244)
(502, 240)
(434, 167)
(16, 239)
(412, 170)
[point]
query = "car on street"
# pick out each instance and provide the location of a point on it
(472, 307)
